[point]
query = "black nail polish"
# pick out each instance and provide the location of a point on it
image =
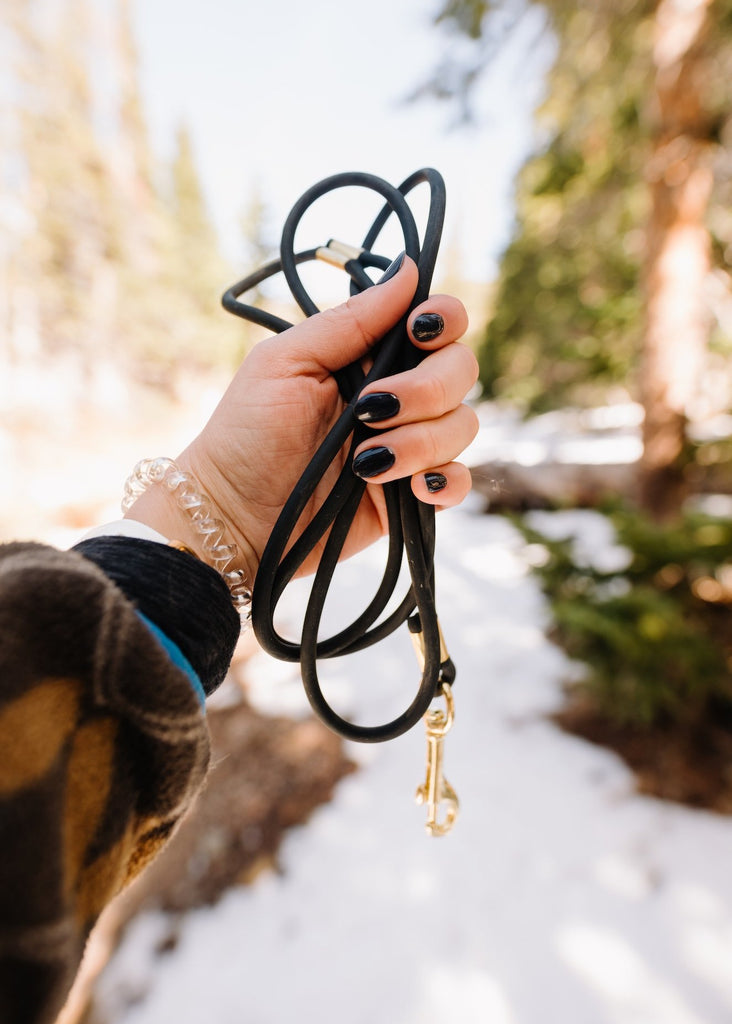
(393, 268)
(435, 481)
(373, 461)
(380, 405)
(427, 326)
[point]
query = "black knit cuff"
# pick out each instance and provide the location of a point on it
(184, 597)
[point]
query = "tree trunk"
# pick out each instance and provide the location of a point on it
(677, 253)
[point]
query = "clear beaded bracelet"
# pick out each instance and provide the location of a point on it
(199, 510)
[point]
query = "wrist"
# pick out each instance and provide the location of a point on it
(228, 501)
(155, 510)
(167, 497)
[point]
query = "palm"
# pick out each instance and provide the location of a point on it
(274, 422)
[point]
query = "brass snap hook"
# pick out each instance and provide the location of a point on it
(436, 791)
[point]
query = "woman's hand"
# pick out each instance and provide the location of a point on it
(284, 399)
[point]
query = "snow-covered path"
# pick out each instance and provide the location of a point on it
(560, 896)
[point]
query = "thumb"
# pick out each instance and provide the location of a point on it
(338, 336)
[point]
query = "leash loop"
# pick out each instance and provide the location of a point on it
(411, 523)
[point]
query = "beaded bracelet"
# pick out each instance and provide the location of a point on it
(199, 510)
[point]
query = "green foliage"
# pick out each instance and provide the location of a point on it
(568, 317)
(567, 321)
(656, 636)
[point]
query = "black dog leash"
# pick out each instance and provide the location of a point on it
(411, 522)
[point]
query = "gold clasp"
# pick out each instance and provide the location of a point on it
(436, 790)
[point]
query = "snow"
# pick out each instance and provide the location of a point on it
(608, 434)
(560, 895)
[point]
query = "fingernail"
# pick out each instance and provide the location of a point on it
(393, 268)
(435, 481)
(427, 326)
(373, 461)
(380, 405)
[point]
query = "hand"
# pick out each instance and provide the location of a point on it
(284, 399)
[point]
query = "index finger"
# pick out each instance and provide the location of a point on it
(336, 337)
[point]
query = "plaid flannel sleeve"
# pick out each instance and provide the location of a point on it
(103, 739)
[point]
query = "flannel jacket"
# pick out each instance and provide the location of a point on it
(107, 653)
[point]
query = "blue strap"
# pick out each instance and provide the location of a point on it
(177, 656)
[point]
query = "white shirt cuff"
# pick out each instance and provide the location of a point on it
(126, 528)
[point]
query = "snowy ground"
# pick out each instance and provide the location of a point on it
(560, 896)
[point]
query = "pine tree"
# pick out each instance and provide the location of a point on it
(133, 160)
(612, 251)
(196, 238)
(112, 255)
(62, 258)
(678, 250)
(196, 265)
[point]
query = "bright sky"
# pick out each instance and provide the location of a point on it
(279, 95)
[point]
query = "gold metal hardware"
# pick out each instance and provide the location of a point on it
(437, 792)
(351, 252)
(418, 644)
(337, 254)
(180, 546)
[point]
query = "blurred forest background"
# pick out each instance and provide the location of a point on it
(111, 332)
(106, 255)
(617, 283)
(618, 276)
(616, 288)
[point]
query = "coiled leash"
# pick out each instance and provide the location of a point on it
(411, 522)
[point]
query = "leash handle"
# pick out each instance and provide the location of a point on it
(411, 522)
